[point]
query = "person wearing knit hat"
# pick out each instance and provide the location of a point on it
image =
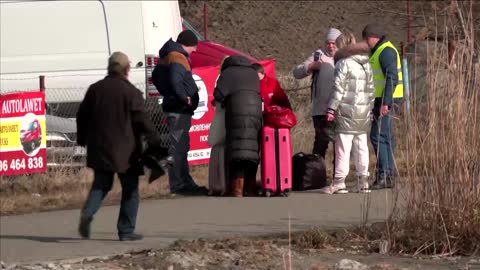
(385, 62)
(187, 38)
(373, 30)
(173, 79)
(321, 68)
(332, 34)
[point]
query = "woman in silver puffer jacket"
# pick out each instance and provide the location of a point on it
(351, 106)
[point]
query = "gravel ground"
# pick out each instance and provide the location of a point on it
(257, 253)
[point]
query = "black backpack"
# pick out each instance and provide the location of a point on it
(160, 78)
(308, 172)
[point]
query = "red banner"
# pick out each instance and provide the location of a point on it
(22, 133)
(206, 78)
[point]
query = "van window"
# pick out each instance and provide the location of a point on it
(42, 36)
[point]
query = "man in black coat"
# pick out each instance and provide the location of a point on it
(174, 80)
(110, 120)
(238, 89)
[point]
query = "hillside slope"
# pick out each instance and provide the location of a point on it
(290, 30)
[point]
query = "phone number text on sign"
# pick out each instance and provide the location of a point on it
(20, 164)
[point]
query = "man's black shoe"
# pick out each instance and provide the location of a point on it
(192, 191)
(84, 227)
(201, 190)
(130, 237)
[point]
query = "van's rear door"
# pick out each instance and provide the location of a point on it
(125, 27)
(52, 36)
(161, 21)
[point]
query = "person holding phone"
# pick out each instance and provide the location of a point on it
(320, 66)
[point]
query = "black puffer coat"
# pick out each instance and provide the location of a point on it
(238, 89)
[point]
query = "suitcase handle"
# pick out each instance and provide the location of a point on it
(284, 138)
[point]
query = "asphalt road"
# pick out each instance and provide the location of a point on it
(53, 235)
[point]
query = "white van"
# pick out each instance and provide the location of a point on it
(69, 43)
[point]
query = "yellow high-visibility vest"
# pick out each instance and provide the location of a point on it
(379, 77)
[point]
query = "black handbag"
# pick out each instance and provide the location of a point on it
(309, 172)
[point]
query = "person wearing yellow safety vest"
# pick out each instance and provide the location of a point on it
(387, 78)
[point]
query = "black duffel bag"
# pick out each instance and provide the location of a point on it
(308, 172)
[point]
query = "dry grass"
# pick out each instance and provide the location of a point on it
(65, 189)
(441, 149)
(437, 155)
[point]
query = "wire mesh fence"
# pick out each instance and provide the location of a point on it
(67, 100)
(61, 105)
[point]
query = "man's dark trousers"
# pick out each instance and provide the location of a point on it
(381, 137)
(322, 139)
(179, 175)
(102, 184)
(323, 136)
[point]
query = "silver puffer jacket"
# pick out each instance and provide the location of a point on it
(354, 93)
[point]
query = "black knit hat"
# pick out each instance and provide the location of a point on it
(373, 30)
(187, 38)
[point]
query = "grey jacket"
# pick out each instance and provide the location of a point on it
(322, 82)
(354, 93)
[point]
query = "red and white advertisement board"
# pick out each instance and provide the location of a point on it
(22, 133)
(206, 78)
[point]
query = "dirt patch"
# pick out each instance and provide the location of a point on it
(337, 247)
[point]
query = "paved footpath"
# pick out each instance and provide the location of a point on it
(53, 235)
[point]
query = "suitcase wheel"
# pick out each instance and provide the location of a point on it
(286, 193)
(268, 193)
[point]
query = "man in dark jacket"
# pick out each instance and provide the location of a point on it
(174, 81)
(387, 78)
(238, 89)
(110, 120)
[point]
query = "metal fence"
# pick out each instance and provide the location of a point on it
(70, 100)
(61, 108)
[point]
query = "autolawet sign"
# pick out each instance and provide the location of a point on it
(22, 133)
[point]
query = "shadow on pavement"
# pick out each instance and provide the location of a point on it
(51, 239)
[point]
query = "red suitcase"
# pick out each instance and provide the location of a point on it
(276, 164)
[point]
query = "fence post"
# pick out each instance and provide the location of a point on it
(409, 23)
(406, 85)
(205, 20)
(42, 89)
(451, 50)
(42, 83)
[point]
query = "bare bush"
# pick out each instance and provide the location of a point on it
(441, 149)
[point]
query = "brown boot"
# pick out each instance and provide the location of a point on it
(251, 186)
(237, 187)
